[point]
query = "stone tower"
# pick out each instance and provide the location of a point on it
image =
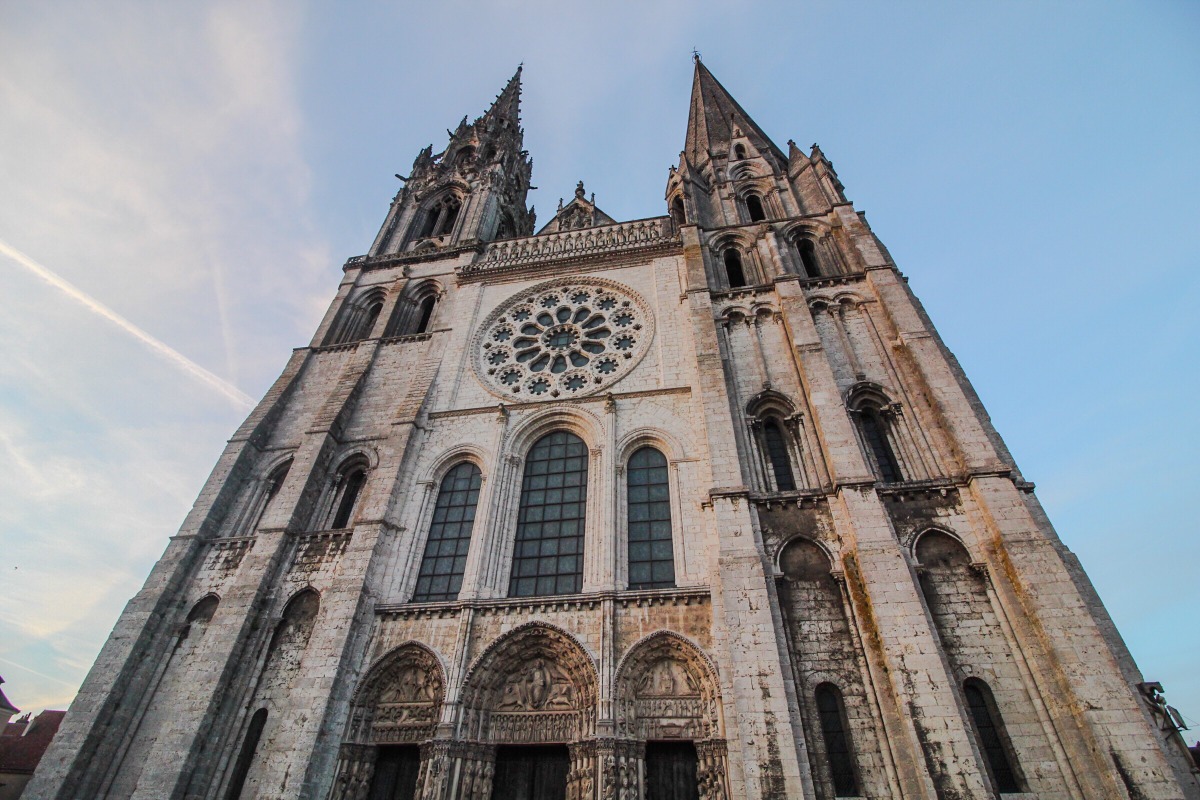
(694, 506)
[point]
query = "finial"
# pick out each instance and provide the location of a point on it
(579, 190)
(695, 55)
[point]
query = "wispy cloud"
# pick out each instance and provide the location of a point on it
(173, 356)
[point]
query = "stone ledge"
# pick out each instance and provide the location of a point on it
(689, 595)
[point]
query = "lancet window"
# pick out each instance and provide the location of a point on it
(754, 207)
(808, 257)
(651, 547)
(414, 311)
(441, 216)
(989, 727)
(548, 552)
(345, 492)
(775, 441)
(874, 429)
(358, 319)
(836, 735)
(734, 274)
(441, 573)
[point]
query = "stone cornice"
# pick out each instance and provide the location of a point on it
(689, 595)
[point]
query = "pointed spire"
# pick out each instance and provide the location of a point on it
(508, 103)
(714, 116)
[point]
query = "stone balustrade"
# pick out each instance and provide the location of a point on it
(606, 239)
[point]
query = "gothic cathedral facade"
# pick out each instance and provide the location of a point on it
(693, 506)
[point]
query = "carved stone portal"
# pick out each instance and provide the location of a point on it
(536, 685)
(398, 702)
(666, 689)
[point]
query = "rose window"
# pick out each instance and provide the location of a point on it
(563, 339)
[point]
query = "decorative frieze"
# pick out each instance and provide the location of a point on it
(604, 241)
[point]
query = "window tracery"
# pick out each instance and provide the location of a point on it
(563, 338)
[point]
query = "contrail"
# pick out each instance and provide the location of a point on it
(162, 349)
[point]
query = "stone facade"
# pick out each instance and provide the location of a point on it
(827, 578)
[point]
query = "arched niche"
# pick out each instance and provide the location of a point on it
(535, 685)
(399, 701)
(667, 689)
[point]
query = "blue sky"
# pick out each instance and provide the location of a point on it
(202, 171)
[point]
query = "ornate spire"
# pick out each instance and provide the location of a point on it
(713, 118)
(507, 105)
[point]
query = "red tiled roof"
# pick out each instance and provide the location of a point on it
(22, 753)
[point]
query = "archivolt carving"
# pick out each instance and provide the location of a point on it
(537, 684)
(667, 689)
(400, 700)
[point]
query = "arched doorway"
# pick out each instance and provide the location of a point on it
(395, 711)
(529, 704)
(669, 718)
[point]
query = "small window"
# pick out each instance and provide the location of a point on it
(808, 258)
(427, 306)
(446, 548)
(990, 730)
(368, 324)
(739, 152)
(677, 212)
(651, 548)
(754, 208)
(465, 156)
(440, 217)
(245, 757)
(838, 751)
(777, 454)
(874, 433)
(449, 216)
(733, 269)
(548, 552)
(352, 483)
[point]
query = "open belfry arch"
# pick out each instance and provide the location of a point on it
(691, 506)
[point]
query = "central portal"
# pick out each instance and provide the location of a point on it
(531, 773)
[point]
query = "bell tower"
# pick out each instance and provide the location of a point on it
(473, 191)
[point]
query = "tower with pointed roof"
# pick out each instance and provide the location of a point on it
(696, 506)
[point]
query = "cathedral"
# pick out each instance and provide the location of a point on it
(691, 506)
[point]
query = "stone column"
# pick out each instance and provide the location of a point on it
(355, 768)
(711, 767)
(621, 767)
(581, 779)
(471, 773)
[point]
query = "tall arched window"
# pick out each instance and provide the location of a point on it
(246, 755)
(440, 217)
(838, 751)
(548, 554)
(427, 306)
(449, 215)
(733, 268)
(445, 556)
(349, 487)
(651, 549)
(368, 323)
(754, 207)
(874, 432)
(808, 258)
(677, 212)
(777, 453)
(989, 727)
